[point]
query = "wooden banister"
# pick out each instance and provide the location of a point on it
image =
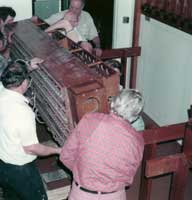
(123, 54)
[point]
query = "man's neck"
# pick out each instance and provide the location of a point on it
(17, 89)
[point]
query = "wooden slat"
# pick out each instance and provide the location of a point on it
(160, 166)
(179, 181)
(135, 43)
(146, 184)
(123, 54)
(120, 53)
(163, 134)
(176, 164)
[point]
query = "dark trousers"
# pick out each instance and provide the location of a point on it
(21, 182)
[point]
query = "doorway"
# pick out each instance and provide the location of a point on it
(102, 13)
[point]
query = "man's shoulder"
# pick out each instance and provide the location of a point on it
(96, 116)
(85, 14)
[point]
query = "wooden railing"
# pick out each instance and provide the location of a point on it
(177, 164)
(177, 13)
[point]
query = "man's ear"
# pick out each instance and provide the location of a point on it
(24, 85)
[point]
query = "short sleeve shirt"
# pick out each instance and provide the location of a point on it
(85, 27)
(17, 128)
(103, 152)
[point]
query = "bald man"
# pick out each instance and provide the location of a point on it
(85, 25)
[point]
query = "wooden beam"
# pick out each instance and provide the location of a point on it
(120, 53)
(179, 180)
(176, 164)
(187, 144)
(149, 153)
(145, 183)
(164, 165)
(136, 32)
(123, 54)
(163, 134)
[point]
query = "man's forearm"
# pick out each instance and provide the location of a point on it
(41, 150)
(62, 24)
(96, 42)
(97, 47)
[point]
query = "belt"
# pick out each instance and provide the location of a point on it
(92, 191)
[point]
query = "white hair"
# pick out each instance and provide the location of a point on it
(128, 104)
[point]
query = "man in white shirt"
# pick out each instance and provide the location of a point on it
(19, 144)
(67, 26)
(85, 26)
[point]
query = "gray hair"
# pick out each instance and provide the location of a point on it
(128, 104)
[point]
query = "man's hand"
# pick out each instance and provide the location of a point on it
(34, 19)
(87, 46)
(97, 49)
(41, 150)
(9, 37)
(34, 63)
(98, 52)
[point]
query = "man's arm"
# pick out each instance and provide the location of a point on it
(93, 34)
(97, 48)
(61, 24)
(70, 32)
(69, 150)
(41, 150)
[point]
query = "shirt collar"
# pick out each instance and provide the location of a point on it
(119, 118)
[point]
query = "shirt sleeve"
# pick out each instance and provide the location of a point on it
(69, 149)
(134, 153)
(26, 127)
(92, 28)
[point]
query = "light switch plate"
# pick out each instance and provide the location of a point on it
(125, 19)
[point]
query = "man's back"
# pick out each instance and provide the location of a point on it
(17, 127)
(109, 152)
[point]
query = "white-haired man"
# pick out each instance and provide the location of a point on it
(85, 26)
(104, 151)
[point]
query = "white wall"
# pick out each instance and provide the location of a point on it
(23, 8)
(123, 32)
(164, 71)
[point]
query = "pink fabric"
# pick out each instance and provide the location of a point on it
(78, 194)
(103, 152)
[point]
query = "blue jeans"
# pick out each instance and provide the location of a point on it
(21, 182)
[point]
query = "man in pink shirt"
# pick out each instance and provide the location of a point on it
(104, 151)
